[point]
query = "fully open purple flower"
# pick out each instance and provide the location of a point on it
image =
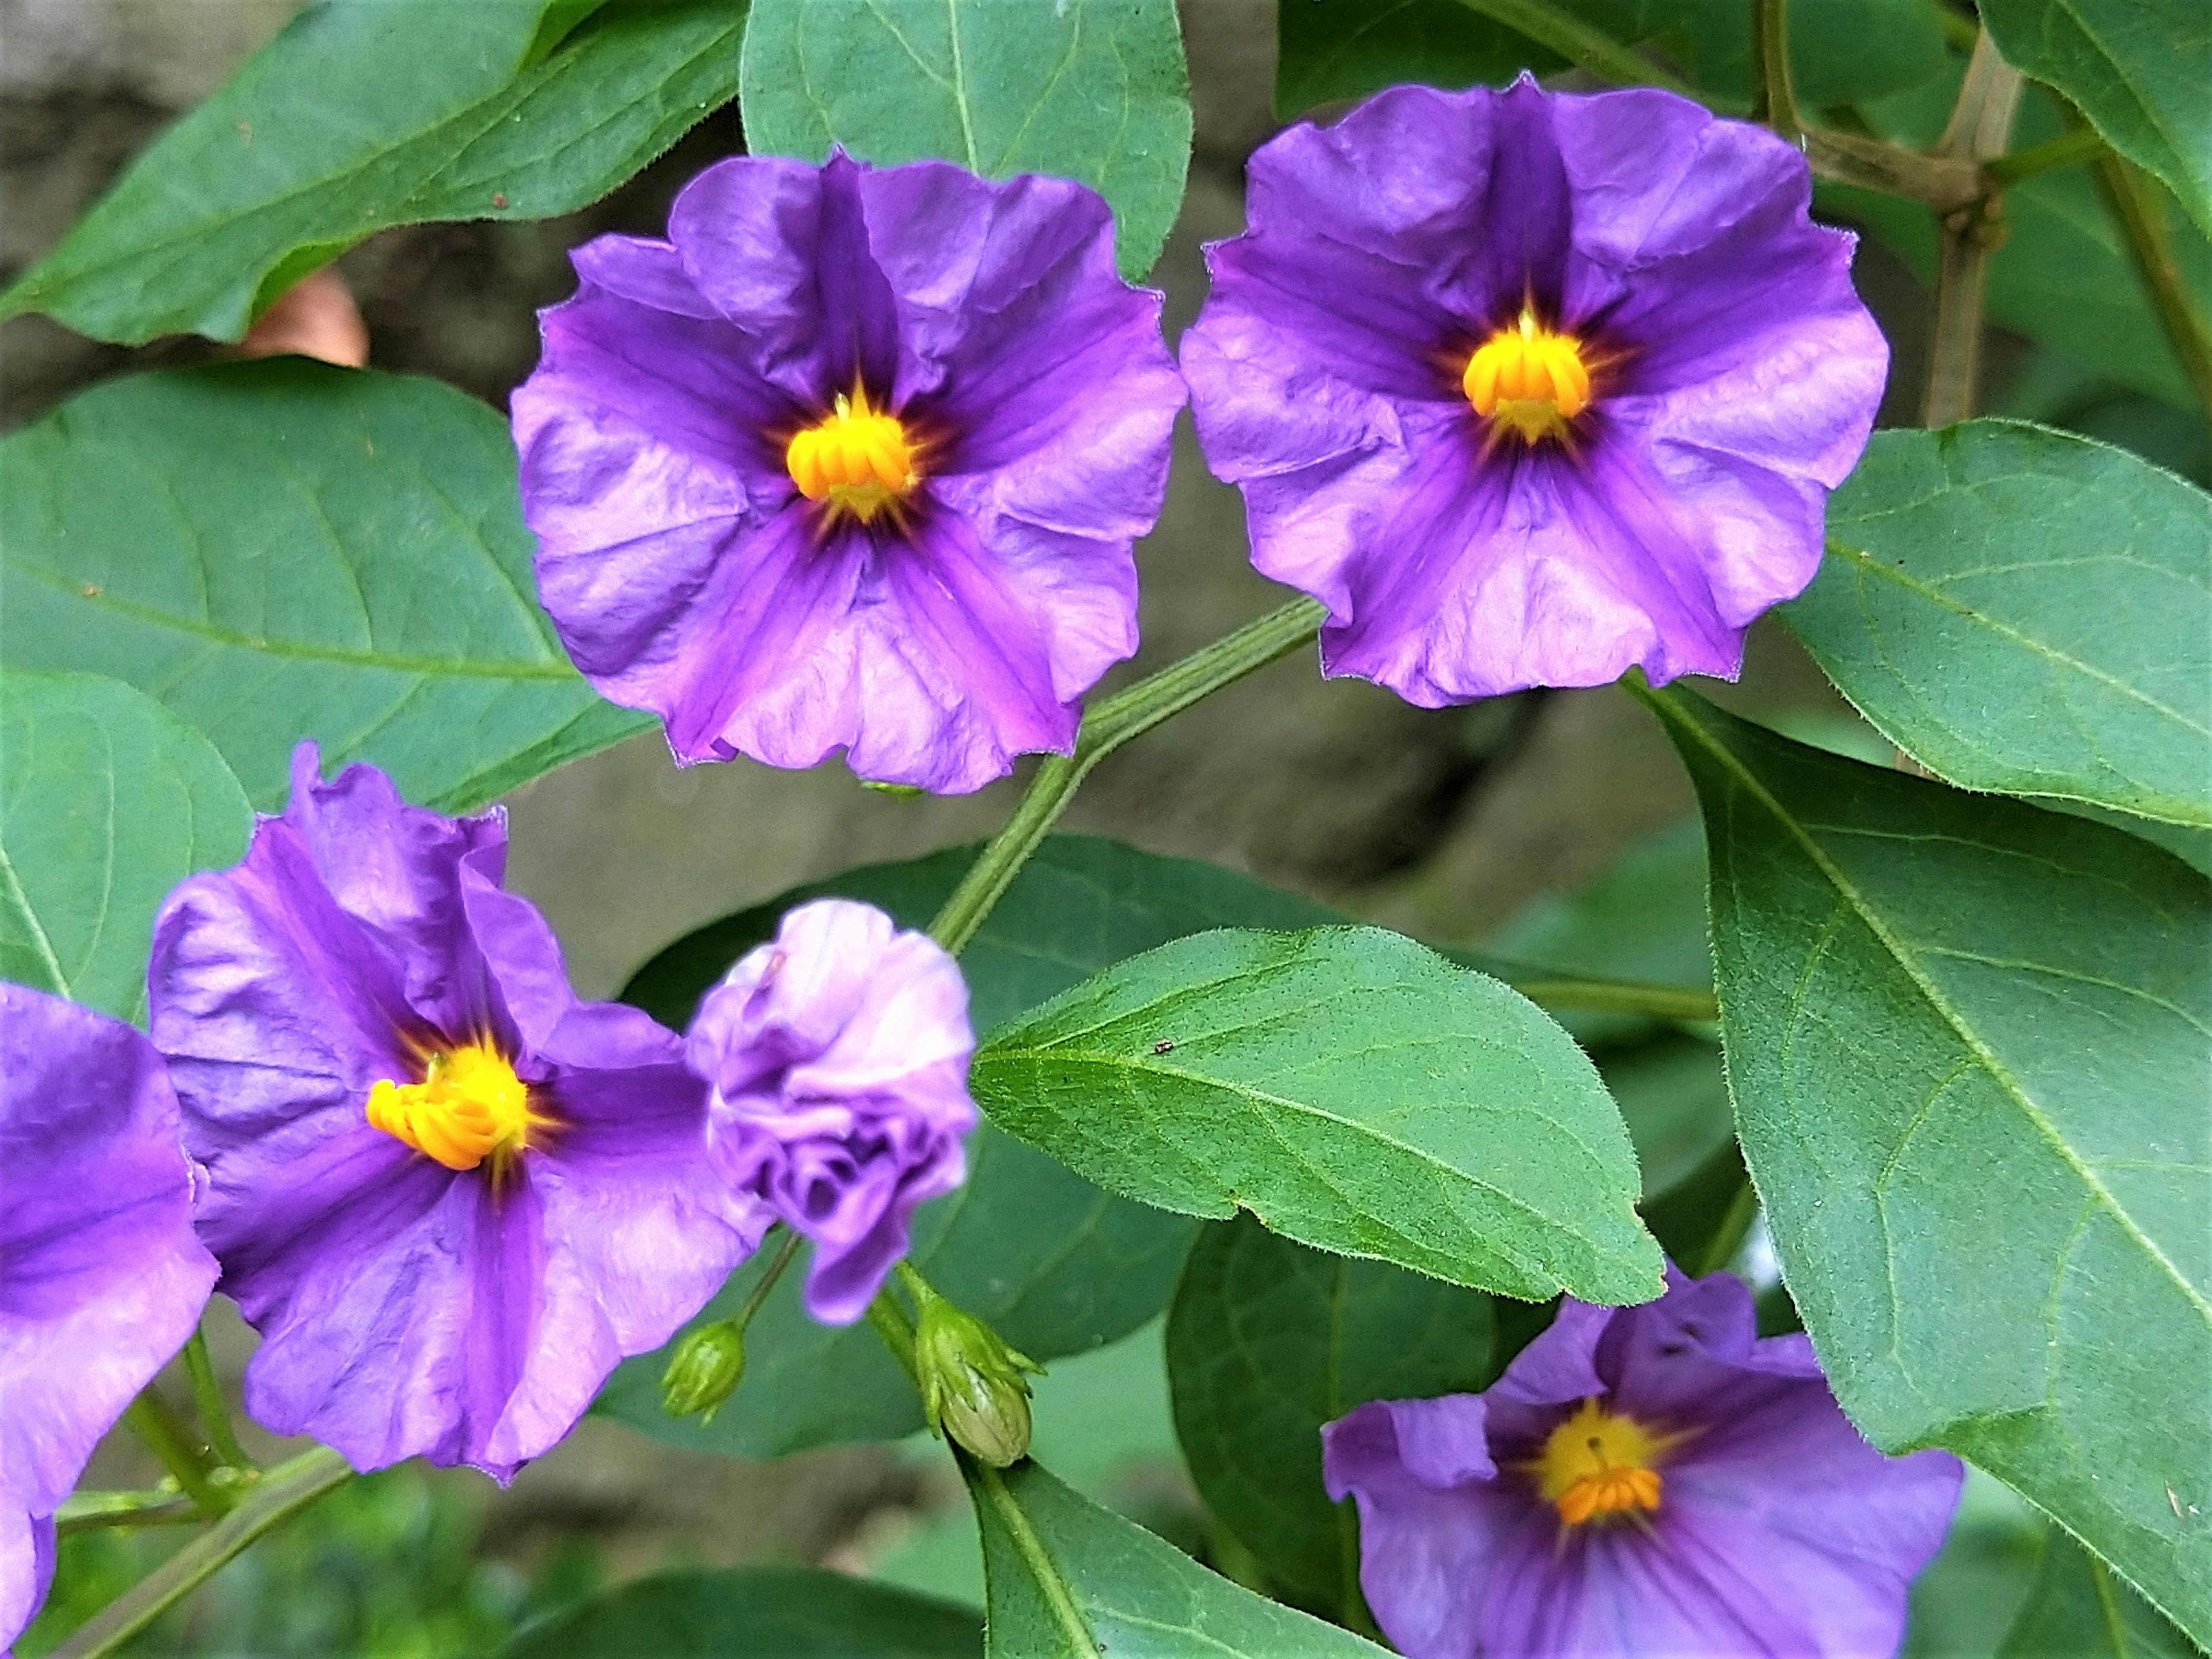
(100, 1278)
(1643, 1483)
(838, 1055)
(854, 458)
(449, 1195)
(1528, 388)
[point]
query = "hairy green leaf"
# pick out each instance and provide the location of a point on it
(2024, 610)
(278, 551)
(2137, 68)
(1069, 1580)
(1350, 1088)
(1267, 1340)
(1089, 89)
(1970, 1043)
(756, 1612)
(2078, 1608)
(363, 114)
(106, 802)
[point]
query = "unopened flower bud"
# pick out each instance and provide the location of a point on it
(972, 1387)
(704, 1372)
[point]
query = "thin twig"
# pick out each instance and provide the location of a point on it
(1980, 128)
(1770, 47)
(155, 1422)
(2141, 210)
(2082, 144)
(213, 1408)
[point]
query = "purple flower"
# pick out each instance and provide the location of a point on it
(854, 458)
(449, 1195)
(1528, 388)
(100, 1278)
(838, 1058)
(1641, 1482)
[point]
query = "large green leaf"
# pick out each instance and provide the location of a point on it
(2062, 276)
(1970, 1043)
(1055, 1264)
(106, 802)
(2138, 69)
(756, 1612)
(1840, 51)
(2024, 610)
(1350, 1088)
(279, 550)
(363, 114)
(2078, 1608)
(1069, 1580)
(1088, 89)
(1267, 1340)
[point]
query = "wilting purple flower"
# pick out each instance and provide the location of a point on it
(838, 1057)
(1528, 387)
(854, 458)
(1643, 1483)
(449, 1195)
(100, 1278)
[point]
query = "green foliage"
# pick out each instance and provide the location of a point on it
(2078, 1608)
(2137, 68)
(1968, 1045)
(1069, 1580)
(106, 802)
(2023, 610)
(1089, 89)
(1840, 51)
(361, 116)
(279, 550)
(1351, 1089)
(756, 1612)
(1266, 1341)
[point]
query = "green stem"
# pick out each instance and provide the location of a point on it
(1579, 43)
(2080, 144)
(1127, 714)
(1621, 996)
(280, 1494)
(151, 1418)
(1770, 39)
(1735, 1226)
(2136, 203)
(84, 1511)
(759, 1293)
(214, 1409)
(898, 1332)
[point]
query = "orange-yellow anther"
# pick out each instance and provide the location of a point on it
(856, 457)
(1528, 378)
(469, 1106)
(1596, 1463)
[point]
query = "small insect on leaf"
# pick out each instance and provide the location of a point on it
(1164, 1045)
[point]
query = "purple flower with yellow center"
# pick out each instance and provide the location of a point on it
(449, 1195)
(1528, 388)
(1643, 1483)
(838, 1057)
(101, 1279)
(854, 458)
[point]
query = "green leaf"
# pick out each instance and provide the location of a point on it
(1350, 1088)
(1056, 1265)
(2078, 1608)
(2022, 610)
(1267, 1340)
(363, 114)
(2137, 68)
(1069, 1580)
(756, 1612)
(280, 549)
(1840, 51)
(2062, 276)
(1968, 1042)
(1089, 89)
(106, 802)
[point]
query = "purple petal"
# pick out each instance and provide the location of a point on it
(26, 1569)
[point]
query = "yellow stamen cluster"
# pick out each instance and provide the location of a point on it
(856, 457)
(1528, 380)
(469, 1106)
(1597, 1464)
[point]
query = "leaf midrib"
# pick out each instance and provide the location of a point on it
(1906, 959)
